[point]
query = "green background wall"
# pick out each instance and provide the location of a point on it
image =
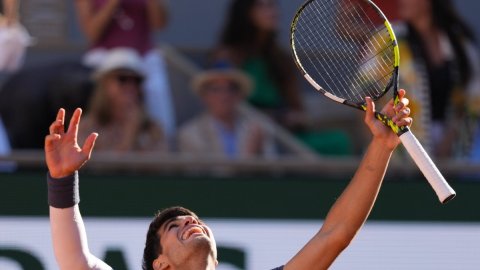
(288, 197)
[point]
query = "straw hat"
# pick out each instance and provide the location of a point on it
(120, 58)
(237, 76)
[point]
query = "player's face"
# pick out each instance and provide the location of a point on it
(186, 240)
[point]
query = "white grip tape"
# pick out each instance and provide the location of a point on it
(426, 165)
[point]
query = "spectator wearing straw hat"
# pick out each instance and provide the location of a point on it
(117, 106)
(223, 131)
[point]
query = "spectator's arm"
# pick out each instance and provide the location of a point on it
(11, 11)
(157, 14)
(93, 23)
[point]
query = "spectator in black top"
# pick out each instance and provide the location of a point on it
(440, 67)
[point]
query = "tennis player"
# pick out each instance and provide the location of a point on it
(177, 238)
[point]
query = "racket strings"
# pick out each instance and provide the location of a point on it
(349, 52)
(343, 49)
(378, 46)
(321, 69)
(373, 85)
(336, 61)
(340, 25)
(337, 53)
(375, 44)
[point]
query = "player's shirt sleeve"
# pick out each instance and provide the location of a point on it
(69, 236)
(278, 268)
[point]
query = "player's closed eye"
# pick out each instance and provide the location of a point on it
(171, 226)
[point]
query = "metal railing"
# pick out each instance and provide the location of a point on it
(174, 163)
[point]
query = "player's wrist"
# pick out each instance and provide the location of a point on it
(63, 192)
(59, 174)
(383, 143)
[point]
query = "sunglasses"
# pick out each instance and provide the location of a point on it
(124, 79)
(232, 88)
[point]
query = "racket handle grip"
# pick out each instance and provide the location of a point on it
(444, 192)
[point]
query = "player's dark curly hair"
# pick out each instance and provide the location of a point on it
(153, 248)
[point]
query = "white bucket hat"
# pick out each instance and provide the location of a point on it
(120, 58)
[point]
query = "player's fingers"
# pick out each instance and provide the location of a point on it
(389, 108)
(61, 115)
(370, 112)
(405, 112)
(50, 140)
(56, 127)
(74, 122)
(89, 144)
(407, 121)
(402, 101)
(402, 104)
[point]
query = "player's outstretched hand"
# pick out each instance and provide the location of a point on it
(62, 152)
(400, 114)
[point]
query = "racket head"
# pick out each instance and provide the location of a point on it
(345, 49)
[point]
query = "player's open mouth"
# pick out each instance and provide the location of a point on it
(191, 231)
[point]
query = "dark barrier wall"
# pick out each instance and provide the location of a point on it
(254, 200)
(24, 194)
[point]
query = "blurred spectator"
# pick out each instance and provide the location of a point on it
(4, 143)
(42, 89)
(222, 131)
(108, 24)
(389, 8)
(116, 110)
(13, 37)
(440, 67)
(249, 42)
(475, 155)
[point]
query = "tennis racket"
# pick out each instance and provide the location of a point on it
(347, 50)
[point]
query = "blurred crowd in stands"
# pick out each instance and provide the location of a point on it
(123, 84)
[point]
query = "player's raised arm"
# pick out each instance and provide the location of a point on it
(64, 157)
(352, 208)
